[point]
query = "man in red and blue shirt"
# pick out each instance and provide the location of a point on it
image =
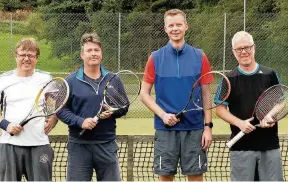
(172, 70)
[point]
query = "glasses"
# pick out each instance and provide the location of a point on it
(30, 56)
(246, 48)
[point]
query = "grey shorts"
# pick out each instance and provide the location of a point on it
(35, 163)
(172, 146)
(243, 165)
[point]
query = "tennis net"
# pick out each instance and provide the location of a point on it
(136, 158)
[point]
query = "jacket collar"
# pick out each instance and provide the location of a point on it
(176, 50)
(80, 72)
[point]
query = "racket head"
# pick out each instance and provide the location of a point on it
(121, 90)
(210, 90)
(274, 101)
(52, 97)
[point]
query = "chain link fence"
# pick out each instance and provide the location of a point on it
(128, 40)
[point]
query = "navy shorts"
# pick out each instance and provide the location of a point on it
(84, 158)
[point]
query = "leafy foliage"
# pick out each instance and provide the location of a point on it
(142, 30)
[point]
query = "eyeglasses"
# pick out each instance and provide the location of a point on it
(246, 48)
(30, 56)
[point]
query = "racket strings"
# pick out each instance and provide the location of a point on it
(123, 89)
(273, 102)
(53, 97)
(116, 98)
(211, 90)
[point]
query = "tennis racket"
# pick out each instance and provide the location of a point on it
(50, 99)
(208, 92)
(120, 92)
(272, 103)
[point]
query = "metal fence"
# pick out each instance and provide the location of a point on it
(128, 40)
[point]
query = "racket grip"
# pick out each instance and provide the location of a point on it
(167, 126)
(235, 139)
(179, 115)
(22, 123)
(81, 133)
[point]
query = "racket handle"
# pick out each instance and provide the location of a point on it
(235, 139)
(167, 126)
(81, 133)
(179, 115)
(22, 123)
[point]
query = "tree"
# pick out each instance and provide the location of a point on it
(12, 5)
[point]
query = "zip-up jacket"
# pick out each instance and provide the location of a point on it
(174, 71)
(84, 102)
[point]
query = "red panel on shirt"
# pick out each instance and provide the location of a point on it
(149, 72)
(205, 69)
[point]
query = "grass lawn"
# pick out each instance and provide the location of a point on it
(145, 126)
(45, 61)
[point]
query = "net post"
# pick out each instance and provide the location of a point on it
(130, 162)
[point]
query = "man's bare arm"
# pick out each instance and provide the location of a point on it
(149, 101)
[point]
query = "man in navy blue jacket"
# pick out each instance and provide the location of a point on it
(96, 148)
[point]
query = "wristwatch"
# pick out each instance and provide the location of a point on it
(210, 124)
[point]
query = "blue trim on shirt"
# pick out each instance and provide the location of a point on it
(80, 72)
(278, 77)
(4, 124)
(248, 74)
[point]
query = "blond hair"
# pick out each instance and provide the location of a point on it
(174, 12)
(28, 44)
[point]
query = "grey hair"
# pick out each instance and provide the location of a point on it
(240, 35)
